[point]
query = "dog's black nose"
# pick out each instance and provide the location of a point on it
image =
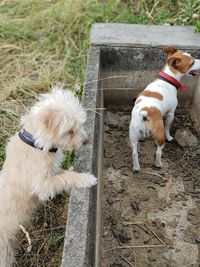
(86, 141)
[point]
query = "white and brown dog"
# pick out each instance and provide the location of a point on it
(159, 99)
(32, 171)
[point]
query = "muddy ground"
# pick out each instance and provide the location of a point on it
(150, 218)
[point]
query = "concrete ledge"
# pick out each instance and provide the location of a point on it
(109, 34)
(79, 246)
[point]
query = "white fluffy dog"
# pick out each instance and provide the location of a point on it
(32, 170)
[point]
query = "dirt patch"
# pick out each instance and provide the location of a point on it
(150, 218)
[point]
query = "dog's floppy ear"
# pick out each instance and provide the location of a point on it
(169, 50)
(174, 62)
(49, 125)
(51, 119)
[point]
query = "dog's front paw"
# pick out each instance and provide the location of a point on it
(90, 180)
(87, 180)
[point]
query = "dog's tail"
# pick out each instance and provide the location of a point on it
(153, 120)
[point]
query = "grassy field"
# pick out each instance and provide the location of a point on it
(43, 42)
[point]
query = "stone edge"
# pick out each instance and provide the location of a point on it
(79, 244)
(138, 35)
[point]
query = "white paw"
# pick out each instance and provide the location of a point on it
(88, 180)
(136, 168)
(159, 164)
(169, 138)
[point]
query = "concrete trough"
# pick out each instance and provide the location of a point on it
(122, 60)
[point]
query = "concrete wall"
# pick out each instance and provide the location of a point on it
(127, 71)
(116, 50)
(196, 106)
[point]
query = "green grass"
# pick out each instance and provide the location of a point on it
(43, 42)
(197, 26)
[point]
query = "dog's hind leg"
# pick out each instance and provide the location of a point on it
(168, 122)
(157, 128)
(159, 136)
(6, 255)
(158, 161)
(136, 165)
(52, 185)
(134, 142)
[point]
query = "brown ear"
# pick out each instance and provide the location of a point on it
(169, 50)
(174, 62)
(51, 119)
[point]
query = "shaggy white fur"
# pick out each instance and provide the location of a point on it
(31, 175)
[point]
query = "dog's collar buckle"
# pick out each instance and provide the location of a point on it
(167, 78)
(29, 139)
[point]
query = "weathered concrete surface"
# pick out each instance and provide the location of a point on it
(137, 58)
(196, 105)
(109, 34)
(79, 247)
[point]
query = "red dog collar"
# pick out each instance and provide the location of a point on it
(165, 77)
